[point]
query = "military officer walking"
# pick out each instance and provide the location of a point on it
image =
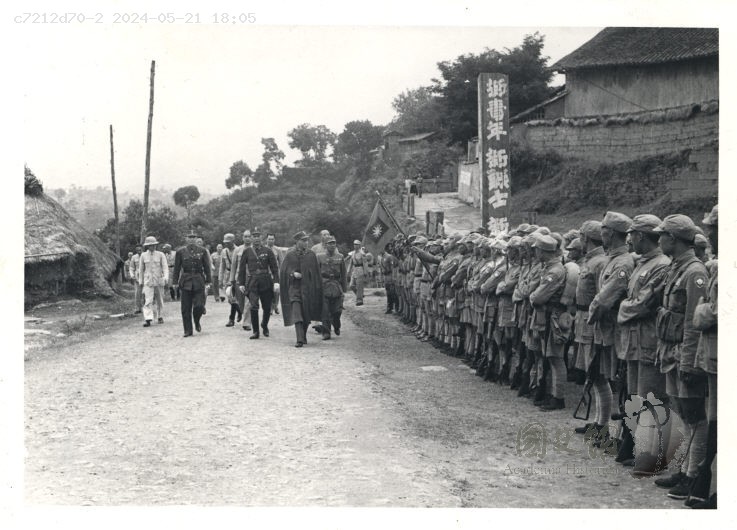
(256, 274)
(357, 270)
(334, 284)
(192, 268)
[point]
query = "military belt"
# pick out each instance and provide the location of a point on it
(193, 271)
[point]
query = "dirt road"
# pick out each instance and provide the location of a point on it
(370, 418)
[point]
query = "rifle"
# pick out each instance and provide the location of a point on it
(586, 398)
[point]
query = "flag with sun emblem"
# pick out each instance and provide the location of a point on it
(379, 231)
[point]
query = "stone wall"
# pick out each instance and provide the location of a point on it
(629, 137)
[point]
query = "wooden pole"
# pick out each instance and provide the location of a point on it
(115, 194)
(144, 220)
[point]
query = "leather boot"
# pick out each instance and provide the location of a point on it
(254, 324)
(670, 481)
(554, 403)
(539, 397)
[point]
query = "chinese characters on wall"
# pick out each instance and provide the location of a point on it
(493, 98)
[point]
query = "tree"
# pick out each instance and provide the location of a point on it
(162, 223)
(418, 110)
(240, 175)
(312, 141)
(272, 155)
(528, 84)
(432, 161)
(186, 196)
(33, 186)
(357, 140)
(264, 177)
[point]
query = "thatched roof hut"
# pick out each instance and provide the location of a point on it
(61, 256)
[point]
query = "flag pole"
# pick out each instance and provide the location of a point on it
(396, 225)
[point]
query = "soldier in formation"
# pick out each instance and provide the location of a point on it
(622, 306)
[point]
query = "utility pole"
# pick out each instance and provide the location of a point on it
(144, 220)
(115, 195)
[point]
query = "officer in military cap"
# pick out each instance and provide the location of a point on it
(256, 275)
(685, 286)
(192, 267)
(706, 320)
(547, 307)
(357, 270)
(636, 319)
(226, 265)
(334, 285)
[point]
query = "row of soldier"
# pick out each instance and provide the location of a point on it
(625, 306)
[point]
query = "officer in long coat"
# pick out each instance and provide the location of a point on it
(192, 268)
(301, 288)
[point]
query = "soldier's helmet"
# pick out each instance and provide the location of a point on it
(150, 240)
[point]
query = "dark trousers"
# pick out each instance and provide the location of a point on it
(332, 309)
(392, 301)
(193, 303)
(266, 296)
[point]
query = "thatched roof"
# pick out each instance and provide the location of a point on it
(51, 234)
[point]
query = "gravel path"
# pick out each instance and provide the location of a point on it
(370, 418)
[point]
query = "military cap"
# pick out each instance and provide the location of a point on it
(499, 244)
(150, 240)
(645, 223)
(571, 234)
(514, 241)
(166, 246)
(331, 239)
(558, 238)
(591, 229)
(617, 221)
(523, 228)
(255, 232)
(679, 226)
(545, 242)
(701, 241)
(575, 245)
(192, 233)
(300, 235)
(228, 238)
(357, 242)
(712, 218)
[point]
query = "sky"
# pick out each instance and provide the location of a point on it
(220, 89)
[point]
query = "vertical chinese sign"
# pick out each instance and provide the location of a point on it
(493, 92)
